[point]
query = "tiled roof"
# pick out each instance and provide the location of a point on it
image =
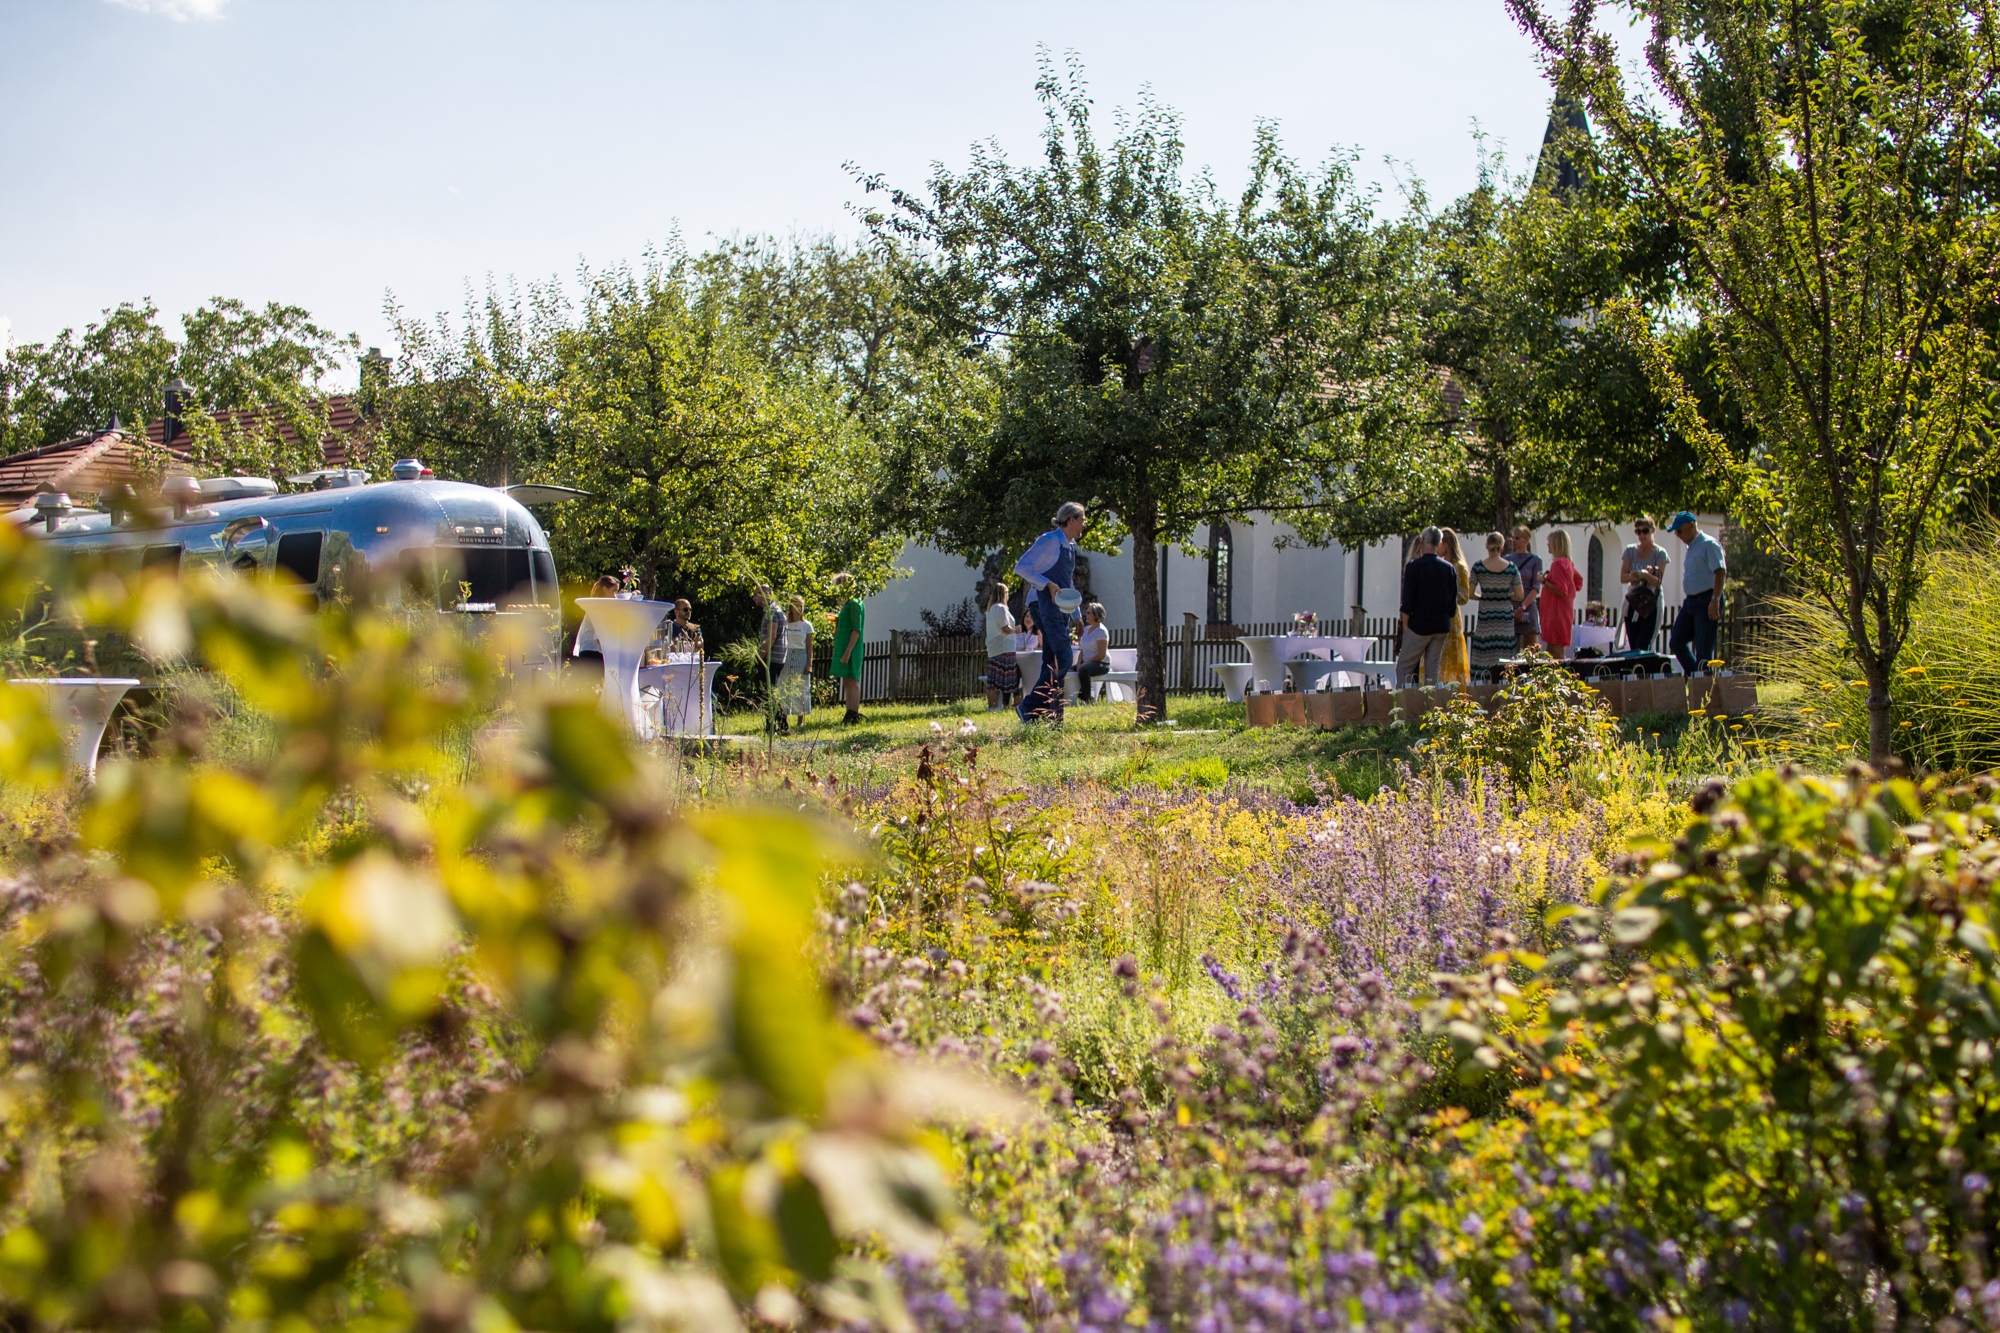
(81, 465)
(345, 421)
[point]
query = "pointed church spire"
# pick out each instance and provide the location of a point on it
(1555, 169)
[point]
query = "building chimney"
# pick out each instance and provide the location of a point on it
(173, 424)
(374, 379)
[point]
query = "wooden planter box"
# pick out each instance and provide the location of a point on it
(1268, 710)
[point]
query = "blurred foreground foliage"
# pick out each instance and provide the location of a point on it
(329, 1038)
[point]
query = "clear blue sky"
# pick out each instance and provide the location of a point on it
(325, 152)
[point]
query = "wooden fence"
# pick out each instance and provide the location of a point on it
(918, 668)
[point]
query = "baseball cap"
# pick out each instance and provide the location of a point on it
(1683, 517)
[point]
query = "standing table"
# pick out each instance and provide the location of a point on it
(80, 707)
(624, 628)
(687, 694)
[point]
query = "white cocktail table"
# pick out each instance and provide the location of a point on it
(687, 695)
(624, 628)
(80, 707)
(1235, 677)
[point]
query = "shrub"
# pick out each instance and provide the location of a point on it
(1542, 722)
(313, 1034)
(1769, 1066)
(1945, 699)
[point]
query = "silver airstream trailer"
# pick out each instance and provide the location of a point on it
(411, 541)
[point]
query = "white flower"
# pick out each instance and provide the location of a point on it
(937, 729)
(966, 728)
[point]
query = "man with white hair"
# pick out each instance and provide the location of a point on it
(1048, 569)
(1430, 602)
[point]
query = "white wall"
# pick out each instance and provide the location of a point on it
(934, 581)
(1271, 584)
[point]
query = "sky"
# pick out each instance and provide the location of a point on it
(328, 153)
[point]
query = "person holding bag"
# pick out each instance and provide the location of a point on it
(1642, 569)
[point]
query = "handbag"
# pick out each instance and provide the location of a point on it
(1642, 601)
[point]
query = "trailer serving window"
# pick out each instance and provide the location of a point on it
(447, 576)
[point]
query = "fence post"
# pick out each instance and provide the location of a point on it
(1187, 652)
(895, 664)
(1357, 620)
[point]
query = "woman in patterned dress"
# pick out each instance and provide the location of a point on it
(1498, 586)
(1457, 667)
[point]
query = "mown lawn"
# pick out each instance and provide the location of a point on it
(1207, 745)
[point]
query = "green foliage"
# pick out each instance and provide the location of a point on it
(1779, 1036)
(710, 466)
(1169, 355)
(638, 1103)
(1824, 165)
(1558, 418)
(1945, 696)
(233, 358)
(1539, 725)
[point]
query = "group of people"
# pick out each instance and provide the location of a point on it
(1525, 604)
(677, 633)
(784, 652)
(784, 646)
(1006, 638)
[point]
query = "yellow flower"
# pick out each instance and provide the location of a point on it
(1738, 726)
(1915, 671)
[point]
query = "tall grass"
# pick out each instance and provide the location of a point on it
(1945, 695)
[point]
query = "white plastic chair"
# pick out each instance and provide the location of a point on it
(1121, 683)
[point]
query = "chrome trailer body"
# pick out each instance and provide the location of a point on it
(441, 545)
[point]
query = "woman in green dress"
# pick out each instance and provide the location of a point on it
(1497, 584)
(847, 652)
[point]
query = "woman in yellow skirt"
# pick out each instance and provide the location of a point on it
(1457, 666)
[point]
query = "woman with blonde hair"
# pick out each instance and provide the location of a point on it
(1498, 585)
(793, 690)
(1457, 667)
(1560, 586)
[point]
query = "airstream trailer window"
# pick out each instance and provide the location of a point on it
(165, 558)
(497, 576)
(419, 571)
(298, 553)
(526, 586)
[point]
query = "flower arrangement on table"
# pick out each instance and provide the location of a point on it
(1305, 622)
(628, 582)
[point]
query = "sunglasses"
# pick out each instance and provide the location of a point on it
(1642, 530)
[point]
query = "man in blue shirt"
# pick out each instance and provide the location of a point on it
(1702, 572)
(1047, 568)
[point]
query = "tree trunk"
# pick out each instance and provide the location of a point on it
(1142, 521)
(1503, 494)
(1878, 713)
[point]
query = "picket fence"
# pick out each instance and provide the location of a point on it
(913, 668)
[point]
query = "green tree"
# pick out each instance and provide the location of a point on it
(471, 399)
(710, 470)
(1161, 352)
(75, 383)
(253, 377)
(1553, 405)
(1825, 164)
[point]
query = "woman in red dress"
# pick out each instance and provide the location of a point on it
(1559, 589)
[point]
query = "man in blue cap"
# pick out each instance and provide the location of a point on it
(1048, 568)
(1702, 572)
